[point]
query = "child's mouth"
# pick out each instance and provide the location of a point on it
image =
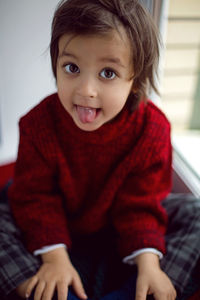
(87, 114)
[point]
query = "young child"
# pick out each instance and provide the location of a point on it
(94, 159)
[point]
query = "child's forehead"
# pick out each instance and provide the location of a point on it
(108, 40)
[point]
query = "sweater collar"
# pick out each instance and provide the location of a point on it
(107, 132)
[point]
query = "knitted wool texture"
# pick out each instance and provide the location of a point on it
(70, 182)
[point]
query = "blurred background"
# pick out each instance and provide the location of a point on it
(26, 77)
(25, 71)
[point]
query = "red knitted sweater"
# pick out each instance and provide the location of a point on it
(68, 181)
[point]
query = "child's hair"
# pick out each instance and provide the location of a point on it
(81, 17)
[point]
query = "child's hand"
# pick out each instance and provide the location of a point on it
(152, 280)
(56, 273)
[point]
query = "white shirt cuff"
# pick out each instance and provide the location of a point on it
(46, 249)
(130, 259)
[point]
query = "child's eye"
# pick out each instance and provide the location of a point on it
(108, 74)
(72, 68)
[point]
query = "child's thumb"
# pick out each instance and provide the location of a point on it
(78, 287)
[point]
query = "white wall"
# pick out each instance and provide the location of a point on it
(25, 71)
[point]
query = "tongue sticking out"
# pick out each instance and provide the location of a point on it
(86, 114)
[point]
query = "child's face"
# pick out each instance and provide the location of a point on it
(93, 77)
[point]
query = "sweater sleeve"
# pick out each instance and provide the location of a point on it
(34, 196)
(137, 214)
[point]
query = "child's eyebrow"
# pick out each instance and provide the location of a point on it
(114, 60)
(64, 53)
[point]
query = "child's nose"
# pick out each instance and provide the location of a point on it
(87, 87)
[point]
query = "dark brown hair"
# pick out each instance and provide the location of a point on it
(81, 17)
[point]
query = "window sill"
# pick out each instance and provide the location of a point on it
(186, 160)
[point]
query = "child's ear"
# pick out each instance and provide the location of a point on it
(134, 88)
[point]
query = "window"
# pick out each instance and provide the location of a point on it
(180, 90)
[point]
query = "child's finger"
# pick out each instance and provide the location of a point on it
(39, 290)
(62, 290)
(78, 287)
(49, 291)
(31, 285)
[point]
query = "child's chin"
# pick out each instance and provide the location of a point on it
(88, 126)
